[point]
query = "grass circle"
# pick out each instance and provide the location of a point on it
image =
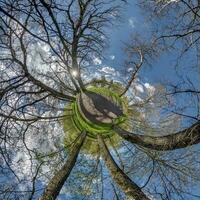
(75, 122)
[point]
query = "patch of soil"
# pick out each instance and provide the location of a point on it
(97, 108)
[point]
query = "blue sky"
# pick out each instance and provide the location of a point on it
(162, 69)
(134, 21)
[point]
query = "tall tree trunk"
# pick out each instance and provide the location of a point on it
(56, 183)
(181, 139)
(133, 192)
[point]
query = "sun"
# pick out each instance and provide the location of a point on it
(74, 73)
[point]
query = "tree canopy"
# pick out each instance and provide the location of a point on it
(80, 122)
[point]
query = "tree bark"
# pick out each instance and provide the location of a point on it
(53, 188)
(181, 139)
(132, 191)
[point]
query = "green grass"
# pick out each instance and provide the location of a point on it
(75, 122)
(91, 128)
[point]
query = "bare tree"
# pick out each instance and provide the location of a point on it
(182, 20)
(46, 49)
(54, 186)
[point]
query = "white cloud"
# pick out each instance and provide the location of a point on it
(22, 166)
(129, 69)
(117, 74)
(108, 70)
(150, 88)
(103, 37)
(168, 2)
(25, 162)
(132, 22)
(139, 88)
(45, 48)
(112, 57)
(171, 1)
(114, 14)
(36, 54)
(97, 61)
(138, 99)
(2, 67)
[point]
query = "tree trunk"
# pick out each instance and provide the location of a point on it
(53, 188)
(181, 139)
(132, 191)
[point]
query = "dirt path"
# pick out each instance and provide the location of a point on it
(98, 109)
